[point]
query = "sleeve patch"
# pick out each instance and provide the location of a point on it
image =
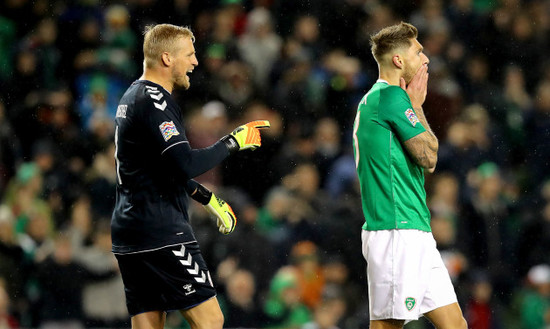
(412, 117)
(168, 129)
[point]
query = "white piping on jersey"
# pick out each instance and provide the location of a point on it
(154, 249)
(357, 118)
(383, 81)
(116, 157)
(391, 179)
(161, 153)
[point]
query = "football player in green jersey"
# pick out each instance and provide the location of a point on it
(393, 146)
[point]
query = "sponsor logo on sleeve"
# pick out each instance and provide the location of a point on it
(412, 117)
(168, 129)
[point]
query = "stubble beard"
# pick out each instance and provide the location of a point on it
(180, 80)
(408, 74)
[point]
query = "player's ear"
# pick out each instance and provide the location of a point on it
(166, 59)
(397, 60)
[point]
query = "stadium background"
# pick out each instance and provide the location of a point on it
(294, 260)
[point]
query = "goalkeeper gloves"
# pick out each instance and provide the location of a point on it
(226, 219)
(246, 136)
(225, 216)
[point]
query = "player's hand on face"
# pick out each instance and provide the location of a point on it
(418, 87)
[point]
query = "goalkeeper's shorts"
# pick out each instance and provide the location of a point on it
(167, 279)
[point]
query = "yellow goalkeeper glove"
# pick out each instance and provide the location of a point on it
(246, 136)
(225, 216)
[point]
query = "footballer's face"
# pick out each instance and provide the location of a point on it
(413, 59)
(185, 62)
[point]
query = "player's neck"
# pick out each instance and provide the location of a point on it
(391, 76)
(158, 79)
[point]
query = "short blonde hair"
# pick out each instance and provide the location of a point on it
(391, 38)
(160, 38)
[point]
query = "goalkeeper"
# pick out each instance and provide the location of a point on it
(158, 255)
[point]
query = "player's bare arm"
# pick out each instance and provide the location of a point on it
(423, 147)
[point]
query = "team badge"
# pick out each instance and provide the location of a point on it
(412, 117)
(168, 129)
(410, 303)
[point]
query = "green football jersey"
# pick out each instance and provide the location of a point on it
(392, 184)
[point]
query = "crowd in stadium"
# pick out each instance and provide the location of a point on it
(294, 259)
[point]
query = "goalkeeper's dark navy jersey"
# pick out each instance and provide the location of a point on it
(154, 162)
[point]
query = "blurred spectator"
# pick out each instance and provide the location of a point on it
(518, 103)
(101, 181)
(236, 87)
(311, 281)
(42, 42)
(537, 126)
(14, 268)
(482, 310)
(119, 42)
(471, 139)
(7, 38)
(240, 307)
(485, 237)
(535, 307)
(259, 46)
(283, 307)
(61, 281)
(258, 260)
(307, 32)
(339, 285)
(103, 302)
(205, 126)
(33, 221)
(534, 241)
(341, 177)
(327, 138)
(7, 320)
(327, 314)
(9, 149)
(429, 16)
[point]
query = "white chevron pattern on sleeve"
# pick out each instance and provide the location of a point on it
(155, 94)
(160, 106)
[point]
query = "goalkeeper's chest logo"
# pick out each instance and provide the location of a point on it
(412, 117)
(410, 303)
(168, 129)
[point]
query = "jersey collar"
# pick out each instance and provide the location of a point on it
(383, 81)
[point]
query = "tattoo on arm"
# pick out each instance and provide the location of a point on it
(423, 149)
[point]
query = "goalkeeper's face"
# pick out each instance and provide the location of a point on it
(414, 58)
(185, 61)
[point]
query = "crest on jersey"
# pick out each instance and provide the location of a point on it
(412, 117)
(168, 129)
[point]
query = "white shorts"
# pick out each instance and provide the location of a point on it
(406, 275)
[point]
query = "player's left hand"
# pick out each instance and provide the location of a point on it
(246, 137)
(226, 219)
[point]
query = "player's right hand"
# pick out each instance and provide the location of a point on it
(246, 137)
(225, 217)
